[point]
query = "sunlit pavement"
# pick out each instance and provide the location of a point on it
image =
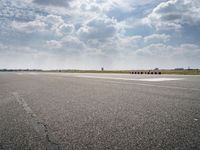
(99, 111)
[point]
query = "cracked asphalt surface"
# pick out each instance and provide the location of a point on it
(40, 111)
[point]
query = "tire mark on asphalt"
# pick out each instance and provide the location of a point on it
(39, 126)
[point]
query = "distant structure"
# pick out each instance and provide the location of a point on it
(179, 69)
(191, 69)
(22, 70)
(102, 69)
(156, 69)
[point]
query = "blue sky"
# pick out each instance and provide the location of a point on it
(90, 34)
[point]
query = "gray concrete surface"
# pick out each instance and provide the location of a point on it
(99, 111)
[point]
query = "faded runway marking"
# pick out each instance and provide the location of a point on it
(39, 126)
(152, 85)
(161, 79)
(28, 73)
(131, 79)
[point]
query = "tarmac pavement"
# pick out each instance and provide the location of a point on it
(99, 111)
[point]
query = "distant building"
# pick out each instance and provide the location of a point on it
(102, 69)
(179, 69)
(156, 69)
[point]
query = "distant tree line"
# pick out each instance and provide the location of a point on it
(19, 70)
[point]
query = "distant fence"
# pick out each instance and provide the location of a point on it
(145, 72)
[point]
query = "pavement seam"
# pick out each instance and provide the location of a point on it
(39, 126)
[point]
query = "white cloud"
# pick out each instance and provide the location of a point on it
(58, 25)
(61, 3)
(73, 43)
(84, 29)
(53, 20)
(173, 14)
(166, 56)
(3, 47)
(122, 5)
(53, 44)
(11, 10)
(13, 50)
(161, 50)
(29, 27)
(128, 44)
(49, 24)
(157, 38)
(98, 28)
(66, 29)
(68, 43)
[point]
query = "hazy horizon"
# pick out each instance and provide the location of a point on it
(115, 34)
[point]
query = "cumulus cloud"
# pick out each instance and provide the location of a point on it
(157, 38)
(125, 45)
(49, 24)
(155, 50)
(173, 14)
(66, 28)
(122, 5)
(87, 31)
(166, 56)
(68, 43)
(162, 50)
(53, 19)
(10, 10)
(57, 25)
(29, 27)
(9, 50)
(53, 44)
(62, 3)
(3, 47)
(72, 43)
(98, 28)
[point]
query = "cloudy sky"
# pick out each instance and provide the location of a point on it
(89, 34)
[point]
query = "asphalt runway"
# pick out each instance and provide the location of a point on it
(99, 111)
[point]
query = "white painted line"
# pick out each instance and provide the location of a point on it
(28, 73)
(33, 73)
(131, 79)
(161, 79)
(152, 85)
(143, 84)
(98, 77)
(25, 106)
(20, 73)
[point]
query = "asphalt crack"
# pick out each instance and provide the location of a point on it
(52, 145)
(39, 126)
